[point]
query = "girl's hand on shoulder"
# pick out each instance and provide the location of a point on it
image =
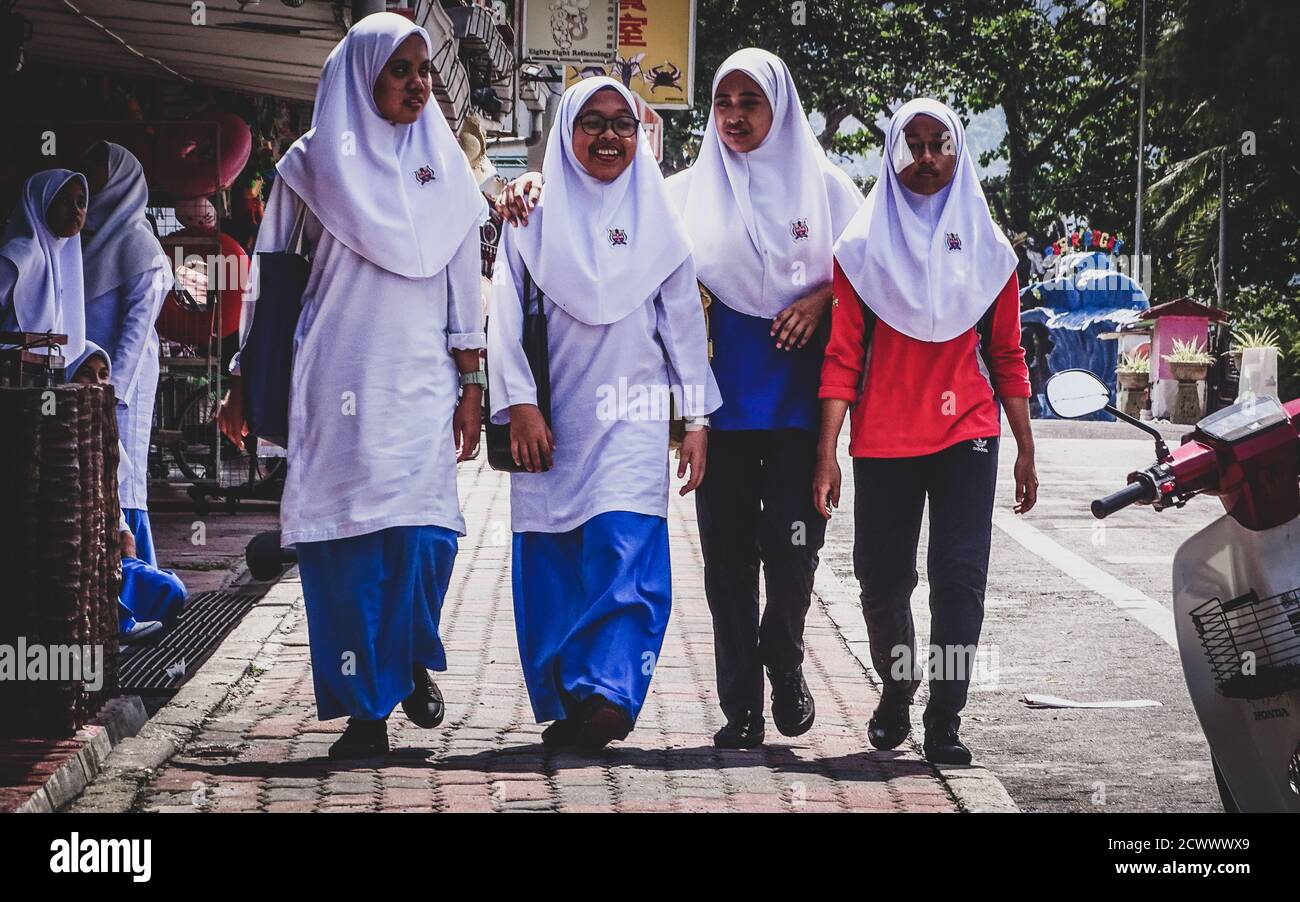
(519, 197)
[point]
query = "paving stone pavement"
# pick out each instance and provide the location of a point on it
(264, 750)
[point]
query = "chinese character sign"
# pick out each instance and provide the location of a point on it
(581, 32)
(656, 52)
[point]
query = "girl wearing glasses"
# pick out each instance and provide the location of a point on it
(608, 257)
(761, 207)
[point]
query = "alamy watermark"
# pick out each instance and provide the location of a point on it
(53, 663)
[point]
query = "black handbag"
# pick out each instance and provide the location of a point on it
(266, 359)
(537, 350)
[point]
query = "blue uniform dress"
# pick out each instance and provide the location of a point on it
(370, 502)
(590, 564)
(762, 387)
(754, 509)
(148, 593)
(591, 609)
(376, 599)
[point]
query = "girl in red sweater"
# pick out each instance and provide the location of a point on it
(925, 343)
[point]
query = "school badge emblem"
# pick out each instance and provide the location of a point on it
(617, 238)
(954, 241)
(424, 175)
(799, 229)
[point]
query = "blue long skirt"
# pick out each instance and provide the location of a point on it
(138, 522)
(373, 606)
(149, 593)
(591, 609)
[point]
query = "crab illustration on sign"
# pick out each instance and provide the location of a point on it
(665, 75)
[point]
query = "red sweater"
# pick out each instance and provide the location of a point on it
(921, 397)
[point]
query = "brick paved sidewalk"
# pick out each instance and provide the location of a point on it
(264, 750)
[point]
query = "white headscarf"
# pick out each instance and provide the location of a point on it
(776, 195)
(122, 244)
(48, 295)
(90, 350)
(402, 196)
(600, 249)
(928, 266)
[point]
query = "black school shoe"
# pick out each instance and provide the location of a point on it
(942, 746)
(890, 724)
(424, 706)
(562, 733)
(793, 709)
(743, 733)
(361, 739)
(600, 723)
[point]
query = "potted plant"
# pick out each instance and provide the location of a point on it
(1134, 371)
(1244, 339)
(1189, 361)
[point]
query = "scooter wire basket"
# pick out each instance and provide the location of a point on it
(1253, 643)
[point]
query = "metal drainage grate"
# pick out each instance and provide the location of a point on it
(206, 619)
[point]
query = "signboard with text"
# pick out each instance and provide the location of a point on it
(582, 32)
(656, 53)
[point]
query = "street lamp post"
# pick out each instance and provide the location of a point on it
(1141, 149)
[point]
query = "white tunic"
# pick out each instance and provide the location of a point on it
(374, 385)
(608, 389)
(121, 321)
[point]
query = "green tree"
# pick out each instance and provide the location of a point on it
(1225, 74)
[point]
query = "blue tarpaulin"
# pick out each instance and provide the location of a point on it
(1087, 298)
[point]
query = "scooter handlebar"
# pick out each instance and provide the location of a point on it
(1132, 493)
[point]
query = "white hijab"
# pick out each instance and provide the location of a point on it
(90, 350)
(402, 196)
(928, 266)
(600, 249)
(48, 295)
(122, 244)
(776, 195)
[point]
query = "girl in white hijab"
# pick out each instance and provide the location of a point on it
(608, 255)
(926, 281)
(40, 260)
(762, 205)
(127, 279)
(390, 331)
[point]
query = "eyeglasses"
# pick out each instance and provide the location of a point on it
(595, 124)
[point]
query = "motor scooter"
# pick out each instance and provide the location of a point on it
(1236, 582)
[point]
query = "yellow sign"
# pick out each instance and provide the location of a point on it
(656, 53)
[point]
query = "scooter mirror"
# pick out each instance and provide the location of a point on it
(1076, 393)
